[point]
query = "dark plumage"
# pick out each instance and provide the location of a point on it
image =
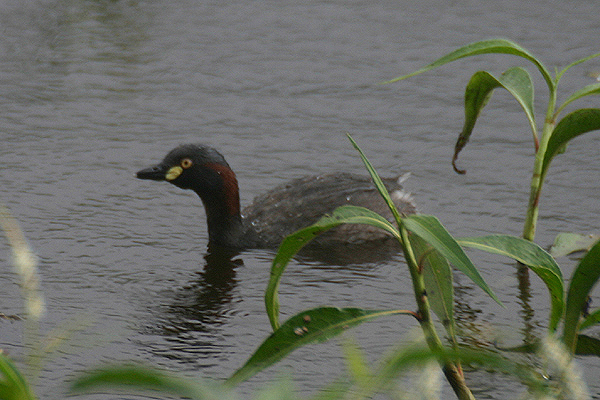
(279, 212)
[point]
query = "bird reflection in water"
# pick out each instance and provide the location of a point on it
(189, 322)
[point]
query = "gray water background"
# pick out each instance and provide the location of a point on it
(92, 91)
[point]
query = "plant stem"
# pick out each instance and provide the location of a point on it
(536, 179)
(451, 370)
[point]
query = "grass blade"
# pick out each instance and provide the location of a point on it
(584, 278)
(315, 325)
(531, 255)
(432, 231)
(294, 242)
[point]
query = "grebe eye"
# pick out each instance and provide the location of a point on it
(186, 163)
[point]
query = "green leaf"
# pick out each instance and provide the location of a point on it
(335, 390)
(584, 278)
(574, 63)
(294, 242)
(592, 319)
(433, 232)
(13, 385)
(588, 90)
(523, 348)
(315, 325)
(587, 346)
(408, 357)
(281, 389)
(356, 362)
(534, 257)
(377, 181)
(498, 46)
(438, 282)
(567, 243)
(572, 125)
(138, 378)
(403, 359)
(478, 92)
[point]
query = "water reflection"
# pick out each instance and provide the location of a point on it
(527, 313)
(472, 331)
(349, 254)
(191, 318)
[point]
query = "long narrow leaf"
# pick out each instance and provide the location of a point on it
(534, 257)
(294, 242)
(407, 358)
(568, 242)
(438, 282)
(12, 383)
(315, 325)
(377, 180)
(478, 92)
(587, 346)
(572, 125)
(139, 377)
(574, 63)
(498, 46)
(588, 90)
(584, 278)
(432, 231)
(592, 319)
(335, 390)
(356, 362)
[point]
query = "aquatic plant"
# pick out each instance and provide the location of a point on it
(429, 250)
(555, 133)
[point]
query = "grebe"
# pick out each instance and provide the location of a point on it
(281, 211)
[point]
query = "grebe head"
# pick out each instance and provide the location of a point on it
(205, 171)
(189, 166)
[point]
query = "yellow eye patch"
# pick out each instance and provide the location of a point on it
(173, 173)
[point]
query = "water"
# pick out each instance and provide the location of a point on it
(92, 91)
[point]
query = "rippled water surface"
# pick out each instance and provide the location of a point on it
(92, 91)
